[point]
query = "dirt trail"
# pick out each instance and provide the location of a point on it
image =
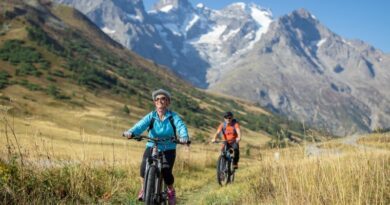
(193, 197)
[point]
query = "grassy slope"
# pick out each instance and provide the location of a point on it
(81, 41)
(68, 140)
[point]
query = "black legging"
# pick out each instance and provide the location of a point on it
(168, 162)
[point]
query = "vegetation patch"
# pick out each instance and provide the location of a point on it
(4, 79)
(15, 52)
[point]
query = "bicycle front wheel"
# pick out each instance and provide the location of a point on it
(231, 172)
(222, 171)
(150, 185)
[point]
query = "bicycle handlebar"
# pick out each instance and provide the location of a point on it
(140, 137)
(222, 141)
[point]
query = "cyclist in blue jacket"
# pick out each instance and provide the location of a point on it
(162, 123)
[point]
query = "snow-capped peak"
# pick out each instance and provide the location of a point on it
(200, 5)
(167, 5)
(264, 18)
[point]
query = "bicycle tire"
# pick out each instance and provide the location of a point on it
(150, 185)
(231, 172)
(222, 176)
(164, 194)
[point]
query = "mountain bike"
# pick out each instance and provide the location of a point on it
(154, 186)
(225, 170)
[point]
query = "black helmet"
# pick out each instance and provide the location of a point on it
(228, 114)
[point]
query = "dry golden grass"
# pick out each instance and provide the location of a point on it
(291, 178)
(376, 140)
(64, 143)
(353, 178)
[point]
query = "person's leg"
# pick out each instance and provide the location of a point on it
(168, 162)
(236, 158)
(146, 155)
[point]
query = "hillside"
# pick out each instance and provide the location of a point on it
(54, 60)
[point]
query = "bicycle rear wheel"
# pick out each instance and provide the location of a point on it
(222, 171)
(150, 185)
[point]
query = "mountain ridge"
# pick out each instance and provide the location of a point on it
(206, 47)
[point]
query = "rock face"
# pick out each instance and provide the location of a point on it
(293, 65)
(301, 69)
(189, 40)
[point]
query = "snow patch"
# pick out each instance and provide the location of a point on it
(200, 5)
(230, 34)
(213, 36)
(174, 28)
(264, 19)
(168, 43)
(108, 31)
(346, 42)
(158, 46)
(320, 42)
(192, 22)
(134, 17)
(166, 8)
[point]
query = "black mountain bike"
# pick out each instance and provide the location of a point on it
(154, 186)
(225, 170)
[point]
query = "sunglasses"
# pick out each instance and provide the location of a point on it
(160, 99)
(228, 117)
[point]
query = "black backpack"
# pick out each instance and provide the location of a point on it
(234, 121)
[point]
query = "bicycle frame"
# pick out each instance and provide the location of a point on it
(154, 186)
(225, 172)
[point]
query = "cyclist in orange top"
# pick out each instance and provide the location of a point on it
(230, 130)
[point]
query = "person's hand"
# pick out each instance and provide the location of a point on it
(238, 140)
(183, 140)
(128, 135)
(213, 140)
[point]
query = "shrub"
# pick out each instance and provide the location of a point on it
(4, 76)
(58, 73)
(30, 86)
(27, 69)
(55, 92)
(38, 35)
(126, 109)
(14, 52)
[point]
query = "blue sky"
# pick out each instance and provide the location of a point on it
(367, 20)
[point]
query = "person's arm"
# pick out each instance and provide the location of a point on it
(181, 128)
(238, 130)
(217, 133)
(141, 125)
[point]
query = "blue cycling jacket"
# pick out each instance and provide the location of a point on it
(161, 129)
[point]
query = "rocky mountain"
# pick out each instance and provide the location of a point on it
(303, 70)
(188, 40)
(293, 65)
(127, 22)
